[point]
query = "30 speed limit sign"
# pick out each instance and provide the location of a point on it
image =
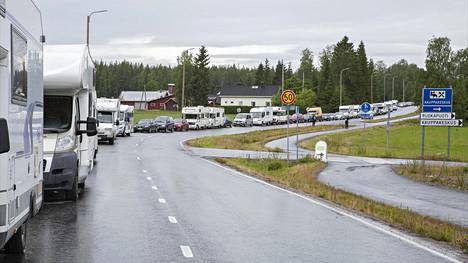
(288, 97)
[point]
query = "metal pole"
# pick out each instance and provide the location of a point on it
(88, 18)
(403, 90)
(393, 88)
(183, 83)
(287, 134)
(372, 88)
(422, 144)
(297, 133)
(282, 77)
(388, 131)
(384, 87)
(341, 85)
(448, 143)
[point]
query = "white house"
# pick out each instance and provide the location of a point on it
(252, 96)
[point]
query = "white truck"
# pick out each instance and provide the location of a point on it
(69, 118)
(125, 120)
(345, 110)
(279, 115)
(21, 120)
(217, 119)
(108, 119)
(262, 115)
(197, 117)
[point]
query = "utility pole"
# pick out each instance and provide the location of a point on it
(372, 87)
(384, 87)
(403, 90)
(393, 88)
(183, 75)
(341, 85)
(282, 76)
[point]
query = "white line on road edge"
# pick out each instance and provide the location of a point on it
(399, 236)
(148, 178)
(162, 200)
(186, 251)
(172, 219)
(154, 187)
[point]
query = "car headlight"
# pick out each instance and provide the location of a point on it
(65, 143)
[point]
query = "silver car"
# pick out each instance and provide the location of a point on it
(243, 119)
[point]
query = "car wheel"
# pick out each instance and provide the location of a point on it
(17, 243)
(111, 141)
(72, 194)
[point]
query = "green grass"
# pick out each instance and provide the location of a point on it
(405, 142)
(394, 118)
(452, 177)
(152, 114)
(253, 141)
(301, 176)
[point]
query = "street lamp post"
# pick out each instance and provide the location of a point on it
(183, 76)
(341, 85)
(384, 87)
(88, 20)
(393, 88)
(372, 87)
(403, 99)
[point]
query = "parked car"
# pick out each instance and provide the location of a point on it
(243, 119)
(145, 125)
(227, 124)
(181, 125)
(339, 116)
(296, 117)
(164, 123)
(308, 117)
(328, 117)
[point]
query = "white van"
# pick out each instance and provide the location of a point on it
(217, 119)
(262, 115)
(197, 117)
(21, 120)
(108, 117)
(125, 120)
(69, 122)
(279, 115)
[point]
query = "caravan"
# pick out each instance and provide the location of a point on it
(279, 115)
(262, 115)
(216, 116)
(125, 120)
(69, 118)
(197, 117)
(108, 116)
(21, 120)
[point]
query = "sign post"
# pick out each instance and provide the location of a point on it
(288, 97)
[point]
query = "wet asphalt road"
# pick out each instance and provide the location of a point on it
(150, 201)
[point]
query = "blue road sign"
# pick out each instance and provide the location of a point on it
(366, 107)
(437, 100)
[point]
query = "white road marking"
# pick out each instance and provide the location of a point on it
(389, 231)
(162, 200)
(172, 219)
(186, 251)
(144, 171)
(154, 187)
(138, 158)
(148, 178)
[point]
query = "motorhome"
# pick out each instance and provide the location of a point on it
(197, 117)
(279, 115)
(389, 106)
(380, 108)
(108, 118)
(69, 118)
(125, 120)
(345, 110)
(394, 105)
(216, 116)
(21, 120)
(316, 111)
(262, 115)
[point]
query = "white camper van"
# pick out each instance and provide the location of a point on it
(108, 118)
(125, 120)
(197, 117)
(262, 115)
(69, 118)
(21, 118)
(279, 115)
(216, 116)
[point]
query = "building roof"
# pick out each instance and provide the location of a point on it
(139, 96)
(249, 91)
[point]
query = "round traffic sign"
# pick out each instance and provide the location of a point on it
(288, 97)
(366, 107)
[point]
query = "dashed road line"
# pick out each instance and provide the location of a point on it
(162, 200)
(172, 219)
(186, 251)
(149, 178)
(144, 171)
(138, 158)
(154, 187)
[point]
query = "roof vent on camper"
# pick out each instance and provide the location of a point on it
(254, 87)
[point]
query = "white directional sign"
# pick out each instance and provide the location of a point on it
(446, 123)
(438, 115)
(321, 151)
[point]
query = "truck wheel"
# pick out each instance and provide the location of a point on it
(17, 243)
(172, 129)
(72, 195)
(111, 141)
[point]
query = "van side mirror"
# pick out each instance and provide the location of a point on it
(4, 137)
(91, 127)
(127, 119)
(117, 122)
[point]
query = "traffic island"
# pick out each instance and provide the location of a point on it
(256, 140)
(301, 176)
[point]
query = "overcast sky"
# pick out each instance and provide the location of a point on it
(245, 32)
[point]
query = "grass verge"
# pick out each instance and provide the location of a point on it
(152, 114)
(253, 141)
(405, 142)
(451, 177)
(394, 118)
(302, 176)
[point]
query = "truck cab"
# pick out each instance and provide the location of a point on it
(108, 117)
(262, 115)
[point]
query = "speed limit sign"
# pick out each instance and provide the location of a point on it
(288, 97)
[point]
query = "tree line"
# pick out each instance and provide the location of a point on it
(341, 65)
